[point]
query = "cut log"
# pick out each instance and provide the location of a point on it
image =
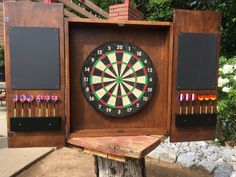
(135, 147)
(111, 168)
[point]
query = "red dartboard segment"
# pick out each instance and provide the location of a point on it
(109, 65)
(120, 51)
(129, 65)
(145, 71)
(144, 88)
(103, 56)
(118, 79)
(102, 102)
(92, 88)
(92, 71)
(135, 57)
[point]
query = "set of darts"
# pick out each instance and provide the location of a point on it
(190, 100)
(39, 99)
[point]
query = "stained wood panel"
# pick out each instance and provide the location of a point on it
(1, 25)
(124, 146)
(158, 39)
(85, 36)
(192, 22)
(23, 14)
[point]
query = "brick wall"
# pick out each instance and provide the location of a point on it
(124, 12)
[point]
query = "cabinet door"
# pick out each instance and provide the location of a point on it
(195, 73)
(34, 52)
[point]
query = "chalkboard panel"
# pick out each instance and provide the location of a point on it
(34, 58)
(197, 61)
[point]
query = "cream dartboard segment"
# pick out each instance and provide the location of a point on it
(118, 79)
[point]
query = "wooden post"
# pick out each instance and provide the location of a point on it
(110, 168)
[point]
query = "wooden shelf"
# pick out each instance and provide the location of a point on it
(118, 132)
(120, 22)
(120, 147)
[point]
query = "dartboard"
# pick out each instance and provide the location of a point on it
(118, 79)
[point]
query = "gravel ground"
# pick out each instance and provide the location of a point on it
(70, 162)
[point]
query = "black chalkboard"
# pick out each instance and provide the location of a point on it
(34, 58)
(197, 61)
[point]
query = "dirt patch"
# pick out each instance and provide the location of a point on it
(70, 162)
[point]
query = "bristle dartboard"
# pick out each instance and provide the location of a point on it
(118, 79)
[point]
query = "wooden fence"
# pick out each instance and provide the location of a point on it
(73, 9)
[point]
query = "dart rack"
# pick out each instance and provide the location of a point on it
(172, 46)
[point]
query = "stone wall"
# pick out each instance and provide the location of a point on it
(219, 160)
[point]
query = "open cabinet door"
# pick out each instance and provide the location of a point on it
(34, 55)
(195, 71)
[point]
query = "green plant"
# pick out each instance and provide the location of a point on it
(163, 10)
(227, 99)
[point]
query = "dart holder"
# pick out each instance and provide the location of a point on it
(26, 124)
(195, 120)
(205, 102)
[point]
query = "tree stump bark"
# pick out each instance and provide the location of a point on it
(111, 168)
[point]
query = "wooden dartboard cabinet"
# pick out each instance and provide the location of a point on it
(154, 38)
(77, 38)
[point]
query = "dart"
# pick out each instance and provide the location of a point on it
(200, 98)
(30, 99)
(212, 98)
(46, 99)
(22, 100)
(181, 99)
(193, 98)
(187, 98)
(15, 100)
(39, 99)
(206, 98)
(54, 98)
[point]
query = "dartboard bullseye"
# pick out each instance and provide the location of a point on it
(118, 79)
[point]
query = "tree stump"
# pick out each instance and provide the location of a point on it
(111, 168)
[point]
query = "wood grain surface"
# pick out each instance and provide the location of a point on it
(26, 14)
(192, 22)
(154, 38)
(123, 146)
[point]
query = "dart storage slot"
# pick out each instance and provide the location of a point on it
(34, 124)
(196, 120)
(84, 36)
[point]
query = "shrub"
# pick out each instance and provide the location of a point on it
(227, 100)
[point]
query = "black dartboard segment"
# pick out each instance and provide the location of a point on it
(118, 79)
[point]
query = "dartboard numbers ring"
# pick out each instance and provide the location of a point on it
(118, 79)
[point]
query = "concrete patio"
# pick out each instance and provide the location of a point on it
(14, 160)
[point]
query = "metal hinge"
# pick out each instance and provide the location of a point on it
(6, 19)
(10, 134)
